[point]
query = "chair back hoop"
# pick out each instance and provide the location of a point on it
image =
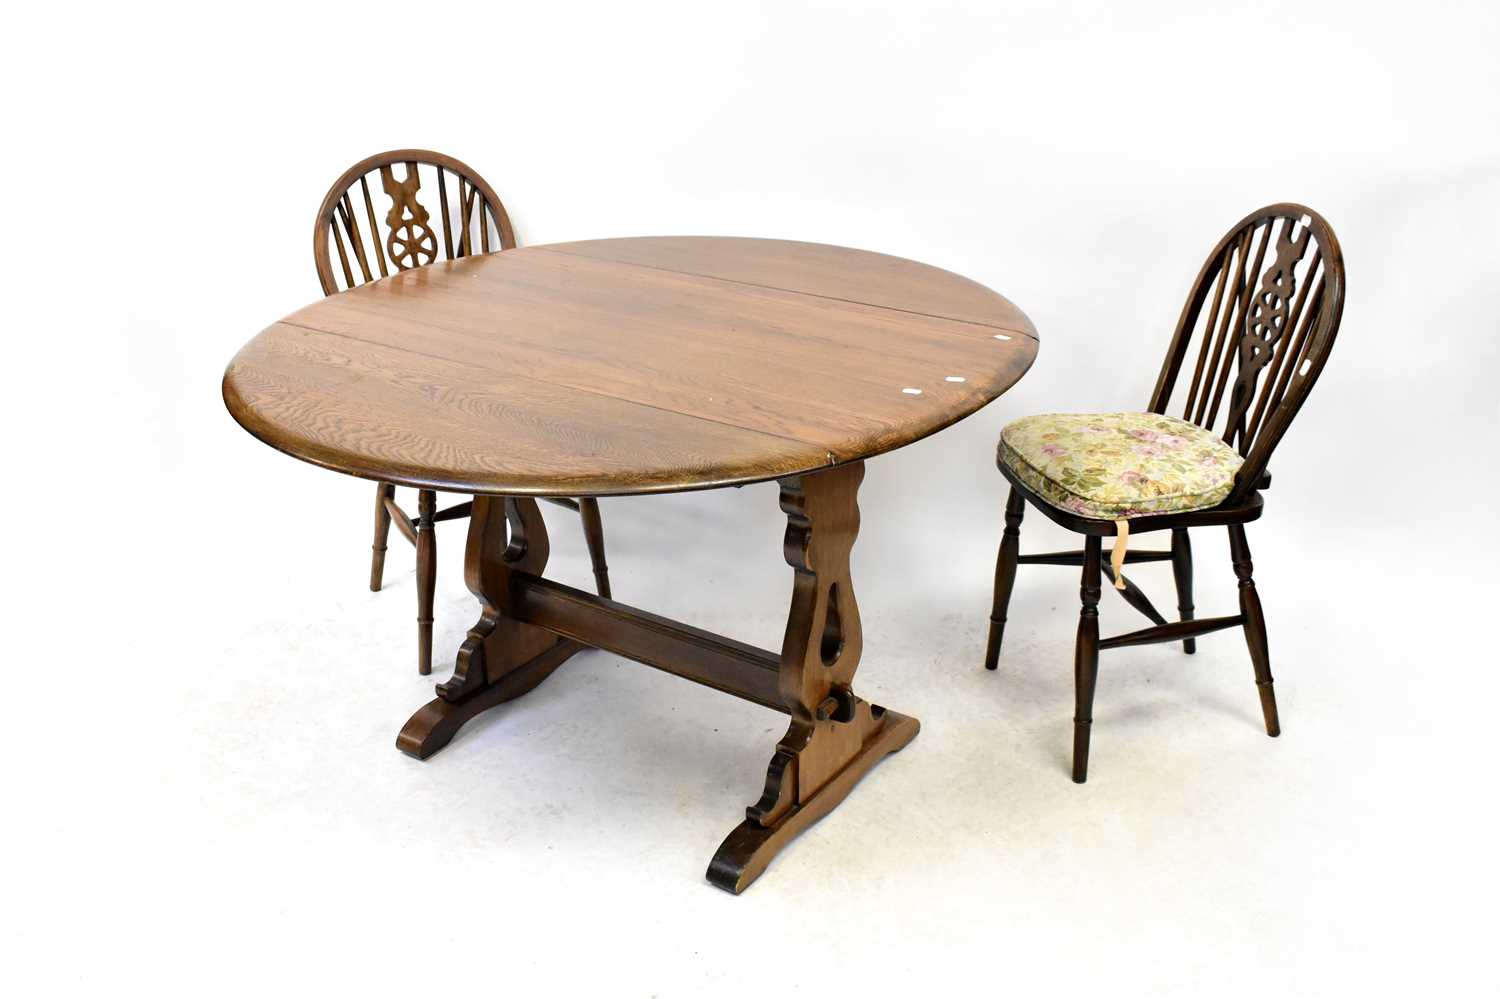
(1260, 322)
(375, 220)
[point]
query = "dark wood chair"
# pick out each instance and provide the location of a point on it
(1263, 313)
(374, 221)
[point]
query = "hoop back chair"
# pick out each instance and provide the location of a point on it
(1258, 328)
(374, 221)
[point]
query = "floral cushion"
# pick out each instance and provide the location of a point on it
(1114, 466)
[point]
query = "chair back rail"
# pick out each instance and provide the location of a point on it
(1263, 315)
(375, 219)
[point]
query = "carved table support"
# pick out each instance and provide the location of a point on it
(835, 738)
(502, 657)
(529, 626)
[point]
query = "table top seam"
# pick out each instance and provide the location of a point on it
(829, 456)
(790, 291)
(364, 310)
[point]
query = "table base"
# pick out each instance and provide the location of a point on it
(529, 626)
(754, 843)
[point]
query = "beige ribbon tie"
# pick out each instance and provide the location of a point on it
(1117, 554)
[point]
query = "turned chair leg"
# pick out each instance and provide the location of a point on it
(593, 534)
(1005, 575)
(1255, 628)
(1086, 659)
(426, 577)
(1182, 571)
(383, 491)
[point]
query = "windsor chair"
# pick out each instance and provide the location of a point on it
(1273, 311)
(472, 221)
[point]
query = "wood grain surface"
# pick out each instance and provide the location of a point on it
(626, 366)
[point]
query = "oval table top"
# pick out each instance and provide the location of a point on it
(622, 366)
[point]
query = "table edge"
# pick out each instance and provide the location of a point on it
(348, 464)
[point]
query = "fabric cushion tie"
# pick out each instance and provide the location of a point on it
(1117, 555)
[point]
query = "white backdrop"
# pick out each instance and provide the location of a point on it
(199, 783)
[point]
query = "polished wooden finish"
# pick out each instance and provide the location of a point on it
(502, 657)
(1264, 313)
(529, 626)
(564, 372)
(1076, 557)
(1086, 659)
(472, 218)
(473, 221)
(691, 653)
(384, 499)
(593, 537)
(1255, 628)
(1005, 575)
(1173, 631)
(1182, 575)
(1279, 319)
(641, 366)
(832, 272)
(834, 737)
(426, 576)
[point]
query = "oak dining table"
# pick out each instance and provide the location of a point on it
(619, 367)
